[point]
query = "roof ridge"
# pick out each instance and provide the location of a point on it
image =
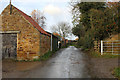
(32, 21)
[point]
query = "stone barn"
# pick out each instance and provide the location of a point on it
(22, 37)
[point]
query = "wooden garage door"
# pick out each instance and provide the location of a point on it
(9, 45)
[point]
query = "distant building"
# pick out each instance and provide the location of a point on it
(72, 41)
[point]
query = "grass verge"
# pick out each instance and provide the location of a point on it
(116, 72)
(46, 56)
(105, 55)
(95, 54)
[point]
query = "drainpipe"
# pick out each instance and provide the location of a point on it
(51, 42)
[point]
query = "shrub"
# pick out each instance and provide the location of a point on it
(116, 72)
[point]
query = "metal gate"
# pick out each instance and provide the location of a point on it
(112, 47)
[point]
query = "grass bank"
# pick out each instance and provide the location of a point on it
(116, 72)
(95, 54)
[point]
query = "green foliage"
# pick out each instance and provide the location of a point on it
(67, 45)
(84, 8)
(117, 72)
(78, 30)
(94, 21)
(88, 42)
(105, 55)
(36, 60)
(46, 55)
(80, 41)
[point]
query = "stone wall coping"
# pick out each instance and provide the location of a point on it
(9, 32)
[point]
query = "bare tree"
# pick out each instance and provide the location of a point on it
(62, 28)
(38, 16)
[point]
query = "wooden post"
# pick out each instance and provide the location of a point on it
(112, 47)
(101, 47)
(98, 46)
(95, 44)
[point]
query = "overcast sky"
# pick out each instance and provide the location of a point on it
(54, 10)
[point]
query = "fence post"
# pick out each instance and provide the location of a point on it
(112, 47)
(95, 45)
(101, 47)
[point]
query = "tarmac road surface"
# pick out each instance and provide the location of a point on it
(67, 63)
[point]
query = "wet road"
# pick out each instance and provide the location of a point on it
(67, 63)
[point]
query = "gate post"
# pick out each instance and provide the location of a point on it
(101, 47)
(112, 47)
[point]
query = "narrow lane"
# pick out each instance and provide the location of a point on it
(68, 63)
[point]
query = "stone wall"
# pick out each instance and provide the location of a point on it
(44, 44)
(28, 40)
